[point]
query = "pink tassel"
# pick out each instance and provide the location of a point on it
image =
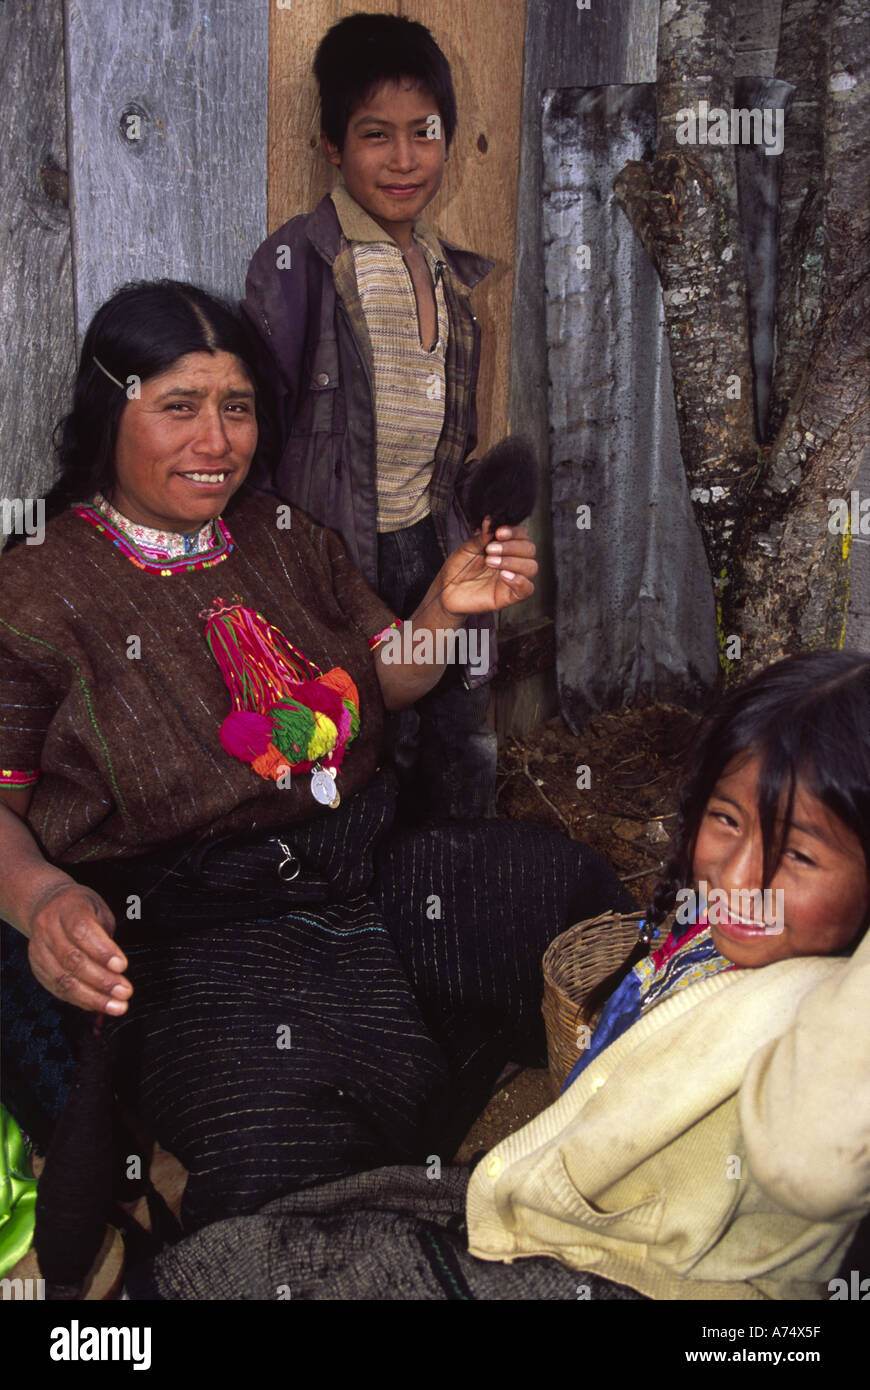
(245, 735)
(343, 725)
(319, 697)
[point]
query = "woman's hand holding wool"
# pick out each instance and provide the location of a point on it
(490, 571)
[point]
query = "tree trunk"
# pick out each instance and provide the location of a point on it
(684, 209)
(780, 570)
(795, 572)
(802, 60)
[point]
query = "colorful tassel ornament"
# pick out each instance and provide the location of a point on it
(287, 716)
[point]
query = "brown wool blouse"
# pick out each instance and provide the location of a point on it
(127, 745)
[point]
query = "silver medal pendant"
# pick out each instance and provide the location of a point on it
(333, 772)
(323, 787)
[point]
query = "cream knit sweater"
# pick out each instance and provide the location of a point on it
(712, 1151)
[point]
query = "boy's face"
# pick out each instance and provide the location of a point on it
(393, 157)
(822, 874)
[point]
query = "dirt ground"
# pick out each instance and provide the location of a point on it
(635, 759)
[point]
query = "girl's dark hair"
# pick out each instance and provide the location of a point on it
(364, 51)
(807, 718)
(139, 333)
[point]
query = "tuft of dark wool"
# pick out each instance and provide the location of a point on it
(503, 485)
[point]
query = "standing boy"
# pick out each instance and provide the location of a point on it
(368, 319)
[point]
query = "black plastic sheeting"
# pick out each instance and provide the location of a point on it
(634, 601)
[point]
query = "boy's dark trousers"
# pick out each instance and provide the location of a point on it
(443, 749)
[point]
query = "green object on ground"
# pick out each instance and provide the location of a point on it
(17, 1194)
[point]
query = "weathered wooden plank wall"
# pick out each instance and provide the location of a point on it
(36, 304)
(168, 116)
(476, 207)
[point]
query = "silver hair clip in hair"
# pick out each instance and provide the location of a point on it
(109, 374)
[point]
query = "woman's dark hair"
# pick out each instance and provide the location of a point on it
(135, 335)
(806, 718)
(362, 52)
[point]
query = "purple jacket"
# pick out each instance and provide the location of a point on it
(301, 296)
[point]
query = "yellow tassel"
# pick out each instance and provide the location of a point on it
(323, 739)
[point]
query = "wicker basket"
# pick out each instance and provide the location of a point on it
(573, 965)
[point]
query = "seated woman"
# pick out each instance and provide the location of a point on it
(716, 1143)
(195, 836)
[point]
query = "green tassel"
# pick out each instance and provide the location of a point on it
(354, 718)
(293, 726)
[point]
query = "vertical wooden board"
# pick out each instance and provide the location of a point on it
(299, 176)
(168, 112)
(477, 204)
(476, 207)
(37, 344)
(565, 46)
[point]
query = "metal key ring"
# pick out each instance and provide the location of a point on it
(295, 868)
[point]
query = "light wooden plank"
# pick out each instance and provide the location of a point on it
(299, 176)
(36, 346)
(187, 198)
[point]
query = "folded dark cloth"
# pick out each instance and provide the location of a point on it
(391, 1234)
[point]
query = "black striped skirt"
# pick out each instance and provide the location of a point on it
(286, 1032)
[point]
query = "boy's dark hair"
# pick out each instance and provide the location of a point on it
(362, 52)
(807, 718)
(140, 331)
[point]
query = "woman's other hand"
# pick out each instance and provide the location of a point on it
(72, 952)
(490, 571)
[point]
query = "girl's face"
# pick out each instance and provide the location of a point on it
(822, 874)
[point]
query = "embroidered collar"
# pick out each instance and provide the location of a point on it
(159, 552)
(682, 961)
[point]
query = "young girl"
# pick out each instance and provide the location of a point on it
(718, 1146)
(773, 836)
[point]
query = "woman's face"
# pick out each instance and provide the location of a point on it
(185, 446)
(822, 874)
